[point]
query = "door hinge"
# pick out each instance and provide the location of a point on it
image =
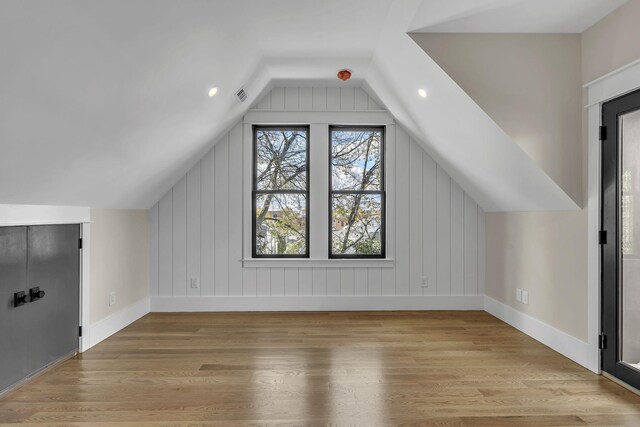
(79, 331)
(602, 237)
(603, 133)
(602, 341)
(80, 243)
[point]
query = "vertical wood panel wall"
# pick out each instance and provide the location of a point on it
(196, 228)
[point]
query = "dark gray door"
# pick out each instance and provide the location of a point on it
(13, 278)
(53, 267)
(45, 328)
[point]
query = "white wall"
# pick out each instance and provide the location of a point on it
(196, 228)
(114, 260)
(119, 261)
(611, 42)
(530, 85)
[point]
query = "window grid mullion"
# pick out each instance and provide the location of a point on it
(280, 192)
(357, 191)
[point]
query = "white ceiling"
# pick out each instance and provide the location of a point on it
(511, 16)
(104, 103)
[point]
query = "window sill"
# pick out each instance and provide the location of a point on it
(318, 263)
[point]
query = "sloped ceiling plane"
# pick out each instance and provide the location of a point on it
(105, 103)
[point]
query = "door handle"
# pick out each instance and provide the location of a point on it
(36, 293)
(20, 298)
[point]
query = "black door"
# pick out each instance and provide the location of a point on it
(13, 278)
(621, 245)
(42, 327)
(53, 267)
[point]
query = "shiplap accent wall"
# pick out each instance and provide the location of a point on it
(196, 228)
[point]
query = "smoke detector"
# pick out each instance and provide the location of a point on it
(344, 75)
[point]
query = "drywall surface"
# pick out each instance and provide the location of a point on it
(527, 84)
(545, 254)
(612, 42)
(119, 259)
(530, 85)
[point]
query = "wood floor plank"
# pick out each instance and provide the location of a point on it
(366, 368)
(520, 421)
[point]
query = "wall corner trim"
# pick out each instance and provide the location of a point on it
(579, 351)
(104, 328)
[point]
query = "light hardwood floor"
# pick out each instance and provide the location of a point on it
(376, 368)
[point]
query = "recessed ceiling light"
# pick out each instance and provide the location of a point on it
(213, 91)
(422, 93)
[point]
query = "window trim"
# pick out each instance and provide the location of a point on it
(319, 122)
(255, 192)
(381, 192)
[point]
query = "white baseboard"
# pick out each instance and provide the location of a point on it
(577, 350)
(103, 329)
(315, 303)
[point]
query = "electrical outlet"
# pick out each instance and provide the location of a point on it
(112, 299)
(525, 297)
(425, 282)
(519, 295)
(195, 283)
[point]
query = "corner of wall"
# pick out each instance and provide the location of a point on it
(577, 350)
(104, 328)
(118, 263)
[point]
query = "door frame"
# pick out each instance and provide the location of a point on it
(85, 287)
(610, 251)
(624, 80)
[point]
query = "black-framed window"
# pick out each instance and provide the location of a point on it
(280, 196)
(356, 192)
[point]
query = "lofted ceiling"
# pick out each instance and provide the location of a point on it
(511, 16)
(105, 103)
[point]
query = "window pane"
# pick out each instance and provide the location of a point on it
(356, 224)
(356, 156)
(281, 159)
(281, 224)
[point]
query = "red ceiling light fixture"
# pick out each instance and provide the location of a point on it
(344, 75)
